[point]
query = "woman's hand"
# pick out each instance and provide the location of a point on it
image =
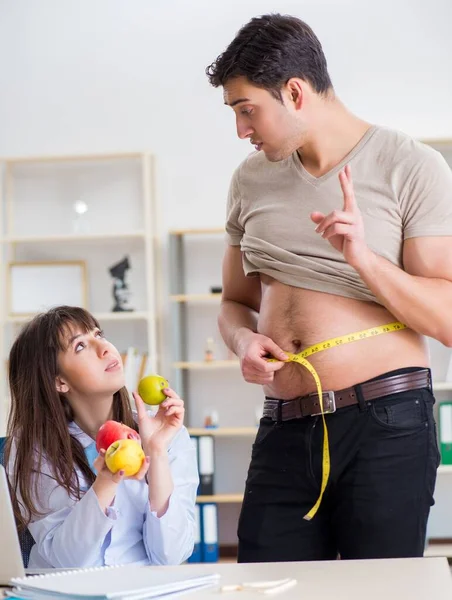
(106, 482)
(158, 431)
(104, 473)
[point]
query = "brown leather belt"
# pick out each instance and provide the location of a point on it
(309, 406)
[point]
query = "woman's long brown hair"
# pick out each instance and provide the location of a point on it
(39, 415)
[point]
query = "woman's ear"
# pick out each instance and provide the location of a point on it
(61, 386)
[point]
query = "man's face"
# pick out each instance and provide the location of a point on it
(271, 126)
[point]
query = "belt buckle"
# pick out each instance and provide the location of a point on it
(328, 401)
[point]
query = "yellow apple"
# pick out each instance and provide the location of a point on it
(125, 455)
(151, 389)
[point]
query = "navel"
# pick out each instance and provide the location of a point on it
(296, 345)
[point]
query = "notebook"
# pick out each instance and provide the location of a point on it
(113, 583)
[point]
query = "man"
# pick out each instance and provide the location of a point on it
(313, 255)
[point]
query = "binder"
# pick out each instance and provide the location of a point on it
(210, 551)
(196, 556)
(445, 432)
(206, 462)
(195, 442)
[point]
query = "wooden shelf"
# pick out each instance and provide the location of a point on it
(106, 316)
(442, 386)
(439, 386)
(438, 550)
(71, 237)
(73, 158)
(195, 297)
(206, 231)
(438, 142)
(202, 364)
(227, 559)
(224, 431)
(446, 469)
(135, 315)
(221, 499)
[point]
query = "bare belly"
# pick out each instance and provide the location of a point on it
(296, 318)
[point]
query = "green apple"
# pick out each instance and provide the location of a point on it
(151, 389)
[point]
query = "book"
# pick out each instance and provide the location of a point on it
(113, 583)
(136, 366)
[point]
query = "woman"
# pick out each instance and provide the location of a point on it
(66, 380)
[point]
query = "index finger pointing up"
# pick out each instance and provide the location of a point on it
(345, 178)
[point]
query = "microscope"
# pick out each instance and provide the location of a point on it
(120, 289)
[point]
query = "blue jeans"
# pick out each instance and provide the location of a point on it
(384, 457)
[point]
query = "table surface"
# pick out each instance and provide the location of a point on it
(384, 579)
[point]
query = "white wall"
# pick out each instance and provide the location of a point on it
(101, 75)
(106, 75)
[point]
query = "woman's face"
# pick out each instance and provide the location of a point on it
(89, 365)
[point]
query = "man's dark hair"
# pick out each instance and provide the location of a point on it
(270, 50)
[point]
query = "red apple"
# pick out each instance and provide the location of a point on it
(112, 431)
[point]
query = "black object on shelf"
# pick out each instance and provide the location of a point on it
(120, 291)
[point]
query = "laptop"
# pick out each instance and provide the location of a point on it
(11, 564)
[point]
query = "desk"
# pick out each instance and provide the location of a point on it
(394, 579)
(385, 579)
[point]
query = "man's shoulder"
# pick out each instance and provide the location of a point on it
(401, 148)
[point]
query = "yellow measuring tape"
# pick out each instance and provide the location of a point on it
(301, 359)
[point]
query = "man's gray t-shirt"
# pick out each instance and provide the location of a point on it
(403, 189)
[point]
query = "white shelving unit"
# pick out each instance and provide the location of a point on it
(196, 298)
(179, 299)
(38, 223)
(195, 266)
(220, 499)
(445, 469)
(224, 431)
(33, 239)
(439, 550)
(442, 386)
(101, 316)
(207, 365)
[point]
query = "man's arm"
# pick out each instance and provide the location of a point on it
(240, 301)
(421, 295)
(238, 321)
